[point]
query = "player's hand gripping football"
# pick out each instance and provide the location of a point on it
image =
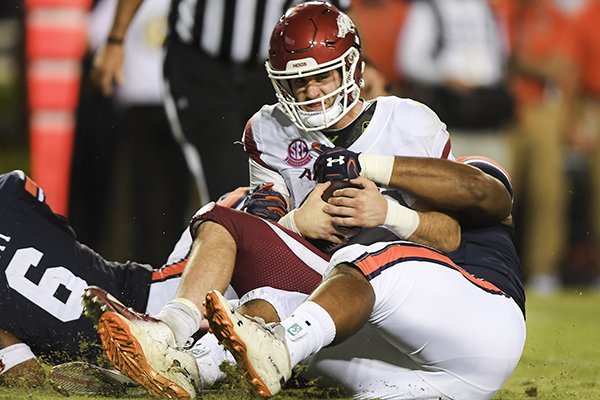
(313, 223)
(357, 201)
(359, 205)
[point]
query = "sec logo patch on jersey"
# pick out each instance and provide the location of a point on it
(298, 153)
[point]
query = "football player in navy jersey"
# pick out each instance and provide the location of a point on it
(44, 270)
(462, 187)
(37, 228)
(434, 325)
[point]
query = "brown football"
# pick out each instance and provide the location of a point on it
(335, 185)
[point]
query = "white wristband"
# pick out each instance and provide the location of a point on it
(376, 168)
(401, 220)
(14, 355)
(287, 221)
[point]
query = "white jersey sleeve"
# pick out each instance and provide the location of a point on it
(276, 147)
(404, 127)
(260, 174)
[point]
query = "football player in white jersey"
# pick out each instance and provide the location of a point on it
(316, 69)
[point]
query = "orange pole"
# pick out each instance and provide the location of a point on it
(55, 43)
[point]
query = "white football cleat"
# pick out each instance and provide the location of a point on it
(143, 348)
(258, 347)
(145, 351)
(96, 301)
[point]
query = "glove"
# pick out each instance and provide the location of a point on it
(335, 163)
(266, 203)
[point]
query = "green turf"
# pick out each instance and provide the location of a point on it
(561, 358)
(562, 353)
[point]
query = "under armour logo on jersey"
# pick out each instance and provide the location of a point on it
(340, 160)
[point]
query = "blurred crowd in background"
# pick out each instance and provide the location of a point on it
(514, 80)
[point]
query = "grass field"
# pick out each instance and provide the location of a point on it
(562, 353)
(561, 358)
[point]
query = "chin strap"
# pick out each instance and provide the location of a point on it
(315, 119)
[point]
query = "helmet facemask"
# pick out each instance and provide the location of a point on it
(346, 95)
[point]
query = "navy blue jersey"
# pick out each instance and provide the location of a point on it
(44, 270)
(490, 253)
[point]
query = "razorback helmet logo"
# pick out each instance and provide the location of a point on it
(345, 26)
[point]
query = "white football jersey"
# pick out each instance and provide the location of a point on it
(279, 152)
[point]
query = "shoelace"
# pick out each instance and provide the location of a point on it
(272, 329)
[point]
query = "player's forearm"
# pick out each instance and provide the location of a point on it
(7, 339)
(125, 11)
(431, 228)
(437, 230)
(443, 185)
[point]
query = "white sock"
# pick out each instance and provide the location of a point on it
(183, 317)
(209, 356)
(307, 330)
(14, 355)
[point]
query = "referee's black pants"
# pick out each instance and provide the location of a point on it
(212, 101)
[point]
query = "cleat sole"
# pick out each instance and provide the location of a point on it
(221, 326)
(126, 354)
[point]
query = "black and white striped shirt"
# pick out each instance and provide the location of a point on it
(230, 30)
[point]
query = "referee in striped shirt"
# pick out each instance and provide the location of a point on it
(215, 79)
